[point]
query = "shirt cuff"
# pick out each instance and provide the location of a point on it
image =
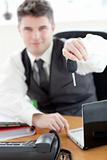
(27, 117)
(96, 47)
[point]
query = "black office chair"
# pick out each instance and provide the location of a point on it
(99, 78)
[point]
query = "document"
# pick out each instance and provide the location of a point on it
(7, 133)
(9, 129)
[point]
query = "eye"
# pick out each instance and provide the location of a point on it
(28, 29)
(43, 28)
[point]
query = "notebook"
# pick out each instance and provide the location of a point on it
(11, 130)
(94, 126)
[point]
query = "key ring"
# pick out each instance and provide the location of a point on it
(64, 155)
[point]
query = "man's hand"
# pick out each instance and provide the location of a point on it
(74, 49)
(53, 121)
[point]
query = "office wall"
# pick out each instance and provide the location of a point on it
(11, 41)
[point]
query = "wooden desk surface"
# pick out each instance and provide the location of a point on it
(98, 153)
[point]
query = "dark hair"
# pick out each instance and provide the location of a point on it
(35, 8)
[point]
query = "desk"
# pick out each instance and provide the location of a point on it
(98, 153)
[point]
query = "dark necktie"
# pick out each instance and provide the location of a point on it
(43, 82)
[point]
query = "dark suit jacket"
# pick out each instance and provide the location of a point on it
(62, 96)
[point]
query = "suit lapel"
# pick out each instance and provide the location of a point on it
(59, 75)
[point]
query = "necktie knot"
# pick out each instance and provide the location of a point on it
(39, 63)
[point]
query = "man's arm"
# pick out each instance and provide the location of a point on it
(15, 103)
(89, 52)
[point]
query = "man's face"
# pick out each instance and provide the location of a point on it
(37, 33)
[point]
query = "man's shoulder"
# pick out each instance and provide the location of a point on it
(13, 63)
(16, 58)
(17, 53)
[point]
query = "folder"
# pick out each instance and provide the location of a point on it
(11, 130)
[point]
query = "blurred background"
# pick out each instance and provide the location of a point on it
(69, 15)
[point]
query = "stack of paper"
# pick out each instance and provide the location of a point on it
(10, 130)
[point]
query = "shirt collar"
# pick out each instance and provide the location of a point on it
(46, 56)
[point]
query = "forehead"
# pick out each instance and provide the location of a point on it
(34, 21)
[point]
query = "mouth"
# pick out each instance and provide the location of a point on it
(36, 44)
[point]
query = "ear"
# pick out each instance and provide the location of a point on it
(18, 27)
(53, 26)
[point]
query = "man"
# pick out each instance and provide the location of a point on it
(36, 26)
(23, 84)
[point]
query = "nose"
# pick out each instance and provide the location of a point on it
(36, 35)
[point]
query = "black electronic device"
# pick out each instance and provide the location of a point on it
(93, 132)
(71, 66)
(47, 146)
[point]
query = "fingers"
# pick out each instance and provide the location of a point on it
(63, 121)
(75, 50)
(59, 123)
(53, 121)
(69, 55)
(81, 49)
(55, 126)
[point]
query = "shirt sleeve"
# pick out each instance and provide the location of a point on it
(14, 101)
(96, 47)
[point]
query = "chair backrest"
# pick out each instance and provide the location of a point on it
(100, 79)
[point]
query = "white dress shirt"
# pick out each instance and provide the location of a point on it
(14, 102)
(46, 57)
(96, 47)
